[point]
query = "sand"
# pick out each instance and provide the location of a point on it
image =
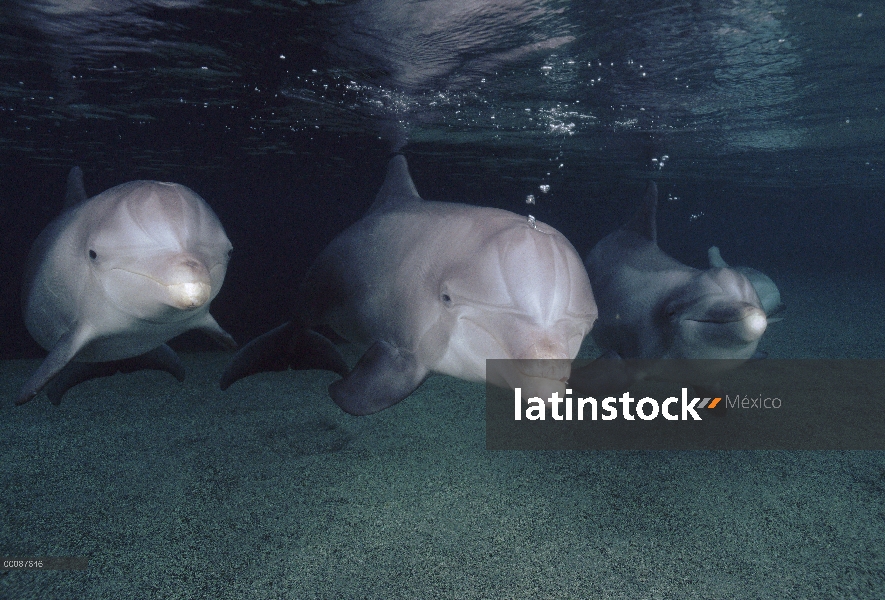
(269, 491)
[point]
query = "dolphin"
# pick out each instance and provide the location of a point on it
(651, 306)
(433, 287)
(769, 295)
(114, 277)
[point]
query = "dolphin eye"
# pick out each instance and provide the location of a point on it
(447, 300)
(93, 255)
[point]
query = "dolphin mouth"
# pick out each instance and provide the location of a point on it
(728, 313)
(745, 325)
(183, 295)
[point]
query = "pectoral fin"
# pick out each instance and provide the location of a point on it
(382, 377)
(64, 351)
(162, 358)
(211, 328)
(289, 345)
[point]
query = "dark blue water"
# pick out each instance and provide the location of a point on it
(762, 122)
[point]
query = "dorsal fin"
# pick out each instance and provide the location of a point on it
(398, 188)
(76, 192)
(715, 258)
(645, 221)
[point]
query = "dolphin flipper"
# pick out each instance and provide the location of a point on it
(382, 377)
(60, 355)
(289, 345)
(211, 328)
(162, 358)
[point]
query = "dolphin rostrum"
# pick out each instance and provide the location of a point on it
(766, 289)
(433, 287)
(114, 277)
(652, 306)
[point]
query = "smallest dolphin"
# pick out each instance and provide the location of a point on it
(114, 277)
(652, 306)
(769, 295)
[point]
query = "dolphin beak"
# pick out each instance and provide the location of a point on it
(189, 295)
(189, 283)
(755, 323)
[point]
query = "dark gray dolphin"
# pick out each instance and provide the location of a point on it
(116, 276)
(433, 287)
(652, 306)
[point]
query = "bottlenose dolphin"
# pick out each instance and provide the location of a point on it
(652, 306)
(118, 275)
(433, 287)
(769, 295)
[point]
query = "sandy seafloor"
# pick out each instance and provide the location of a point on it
(268, 490)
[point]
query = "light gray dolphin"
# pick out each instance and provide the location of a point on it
(433, 287)
(769, 295)
(652, 306)
(116, 276)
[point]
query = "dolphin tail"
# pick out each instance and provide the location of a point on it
(289, 345)
(162, 358)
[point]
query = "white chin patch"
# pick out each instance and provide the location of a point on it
(189, 295)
